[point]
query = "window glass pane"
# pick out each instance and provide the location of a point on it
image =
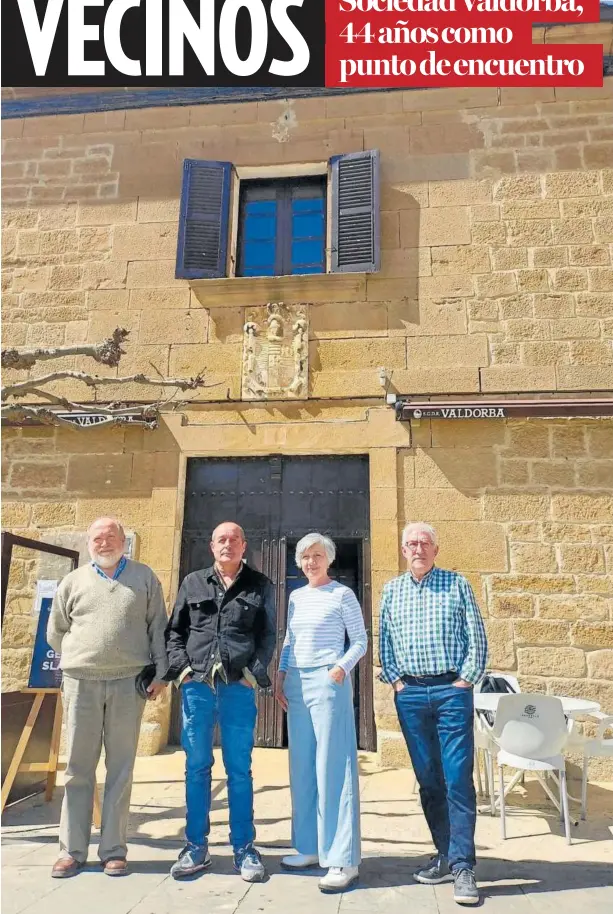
(308, 234)
(258, 237)
(261, 207)
(263, 227)
(307, 252)
(308, 225)
(259, 253)
(294, 207)
(308, 205)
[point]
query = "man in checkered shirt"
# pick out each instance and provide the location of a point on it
(433, 650)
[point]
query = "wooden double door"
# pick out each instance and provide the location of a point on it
(277, 500)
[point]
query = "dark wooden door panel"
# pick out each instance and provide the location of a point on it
(327, 494)
(366, 729)
(269, 730)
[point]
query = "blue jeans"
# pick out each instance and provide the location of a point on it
(437, 725)
(233, 705)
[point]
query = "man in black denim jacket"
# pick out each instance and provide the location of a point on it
(220, 640)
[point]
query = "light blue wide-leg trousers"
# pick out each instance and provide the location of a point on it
(323, 759)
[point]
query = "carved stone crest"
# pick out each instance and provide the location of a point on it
(275, 352)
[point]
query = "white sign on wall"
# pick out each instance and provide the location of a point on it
(43, 589)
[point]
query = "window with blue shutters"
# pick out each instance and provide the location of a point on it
(202, 244)
(356, 243)
(283, 225)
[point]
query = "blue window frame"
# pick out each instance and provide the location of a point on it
(282, 227)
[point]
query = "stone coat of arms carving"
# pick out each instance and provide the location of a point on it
(275, 352)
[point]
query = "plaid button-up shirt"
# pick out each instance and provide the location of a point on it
(430, 627)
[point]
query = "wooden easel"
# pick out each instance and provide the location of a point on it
(51, 766)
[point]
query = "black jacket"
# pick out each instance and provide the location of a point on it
(237, 626)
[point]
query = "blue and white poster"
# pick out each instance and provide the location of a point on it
(45, 670)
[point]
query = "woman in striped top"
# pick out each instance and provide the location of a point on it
(314, 687)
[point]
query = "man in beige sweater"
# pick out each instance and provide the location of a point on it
(107, 622)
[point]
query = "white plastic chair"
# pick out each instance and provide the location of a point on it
(484, 745)
(531, 732)
(591, 747)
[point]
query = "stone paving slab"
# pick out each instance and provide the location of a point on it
(533, 872)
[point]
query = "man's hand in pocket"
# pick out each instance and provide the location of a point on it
(462, 684)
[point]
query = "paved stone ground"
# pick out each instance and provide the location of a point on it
(532, 872)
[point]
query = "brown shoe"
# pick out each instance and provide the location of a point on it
(115, 866)
(65, 867)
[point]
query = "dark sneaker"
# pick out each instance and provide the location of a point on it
(192, 859)
(465, 890)
(436, 871)
(248, 863)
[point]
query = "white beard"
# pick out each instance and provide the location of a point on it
(106, 561)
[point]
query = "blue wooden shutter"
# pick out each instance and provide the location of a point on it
(356, 243)
(202, 244)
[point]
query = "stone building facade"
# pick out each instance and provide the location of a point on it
(496, 280)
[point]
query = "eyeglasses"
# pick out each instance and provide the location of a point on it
(414, 545)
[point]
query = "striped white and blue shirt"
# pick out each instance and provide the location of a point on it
(430, 627)
(318, 618)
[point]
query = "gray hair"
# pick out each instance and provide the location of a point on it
(311, 539)
(420, 525)
(111, 520)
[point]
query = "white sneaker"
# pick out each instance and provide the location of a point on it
(338, 878)
(300, 861)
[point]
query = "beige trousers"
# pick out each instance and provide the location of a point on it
(106, 711)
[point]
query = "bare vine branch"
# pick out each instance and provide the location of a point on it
(15, 412)
(108, 352)
(113, 409)
(39, 414)
(21, 388)
(85, 415)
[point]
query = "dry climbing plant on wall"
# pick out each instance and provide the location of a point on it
(20, 400)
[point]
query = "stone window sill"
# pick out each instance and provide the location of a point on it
(259, 290)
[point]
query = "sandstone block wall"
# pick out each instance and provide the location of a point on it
(497, 209)
(497, 277)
